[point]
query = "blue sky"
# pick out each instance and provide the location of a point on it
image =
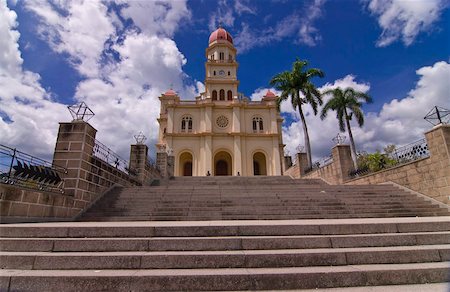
(119, 56)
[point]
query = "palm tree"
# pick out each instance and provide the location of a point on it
(347, 103)
(297, 85)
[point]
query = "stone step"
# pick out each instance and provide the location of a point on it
(223, 259)
(223, 243)
(223, 279)
(228, 228)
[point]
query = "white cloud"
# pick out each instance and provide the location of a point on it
(157, 17)
(28, 116)
(78, 28)
(223, 15)
(125, 73)
(400, 19)
(399, 122)
(299, 25)
(243, 6)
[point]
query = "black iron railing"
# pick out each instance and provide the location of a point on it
(324, 161)
(411, 152)
(151, 163)
(105, 154)
(405, 154)
(21, 169)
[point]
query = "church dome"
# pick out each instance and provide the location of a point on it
(170, 92)
(220, 34)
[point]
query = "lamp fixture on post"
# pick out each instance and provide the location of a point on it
(339, 139)
(80, 112)
(140, 138)
(438, 115)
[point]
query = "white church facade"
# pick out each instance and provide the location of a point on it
(221, 132)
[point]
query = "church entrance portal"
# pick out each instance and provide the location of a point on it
(185, 167)
(222, 163)
(259, 164)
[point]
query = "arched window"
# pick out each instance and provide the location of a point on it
(229, 73)
(221, 55)
(214, 73)
(258, 125)
(229, 95)
(186, 124)
(222, 94)
(214, 95)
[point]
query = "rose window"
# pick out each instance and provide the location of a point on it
(222, 121)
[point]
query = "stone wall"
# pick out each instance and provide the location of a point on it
(145, 172)
(429, 176)
(87, 176)
(334, 173)
(18, 204)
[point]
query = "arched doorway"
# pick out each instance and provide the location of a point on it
(222, 163)
(185, 165)
(259, 164)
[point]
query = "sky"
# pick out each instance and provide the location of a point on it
(119, 56)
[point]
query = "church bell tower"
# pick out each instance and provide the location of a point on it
(221, 67)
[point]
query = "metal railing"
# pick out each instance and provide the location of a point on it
(24, 170)
(411, 152)
(102, 152)
(151, 163)
(324, 161)
(405, 154)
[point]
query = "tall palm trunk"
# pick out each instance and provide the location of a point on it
(352, 142)
(305, 132)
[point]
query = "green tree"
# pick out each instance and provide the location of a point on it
(297, 85)
(347, 103)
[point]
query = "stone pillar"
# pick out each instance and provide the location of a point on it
(166, 164)
(438, 141)
(73, 150)
(287, 162)
(138, 161)
(342, 161)
(170, 165)
(161, 161)
(302, 163)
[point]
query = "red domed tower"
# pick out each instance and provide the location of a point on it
(221, 82)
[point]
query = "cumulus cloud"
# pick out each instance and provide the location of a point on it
(156, 17)
(400, 19)
(125, 69)
(297, 24)
(28, 116)
(399, 122)
(67, 26)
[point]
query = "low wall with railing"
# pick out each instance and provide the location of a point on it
(83, 170)
(32, 188)
(423, 166)
(92, 168)
(429, 175)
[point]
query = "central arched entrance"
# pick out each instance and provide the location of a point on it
(185, 168)
(222, 163)
(259, 164)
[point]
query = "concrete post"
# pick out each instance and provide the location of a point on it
(302, 163)
(74, 147)
(438, 141)
(161, 161)
(287, 162)
(342, 160)
(138, 161)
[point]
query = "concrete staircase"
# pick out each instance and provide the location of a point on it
(224, 255)
(164, 238)
(257, 198)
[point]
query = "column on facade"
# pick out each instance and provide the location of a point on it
(276, 162)
(236, 128)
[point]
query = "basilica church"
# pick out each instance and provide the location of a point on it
(221, 132)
